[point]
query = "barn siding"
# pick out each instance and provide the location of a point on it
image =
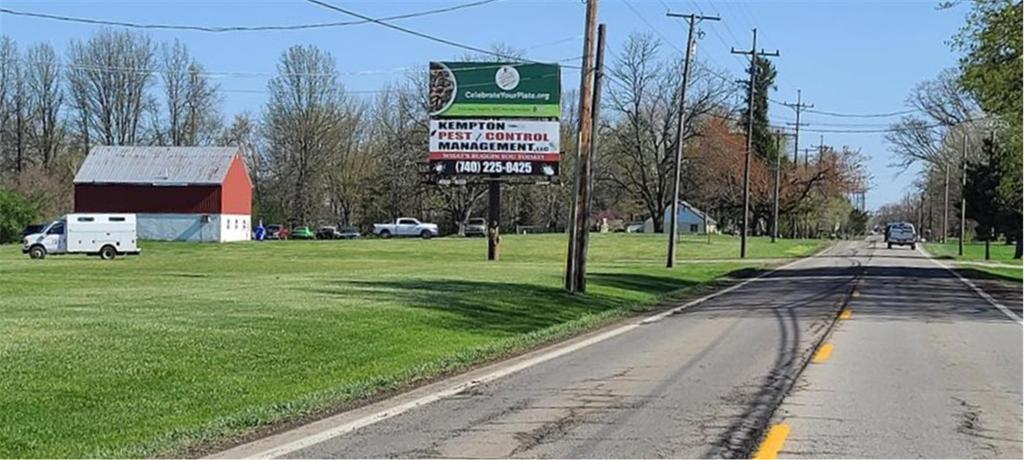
(236, 195)
(192, 199)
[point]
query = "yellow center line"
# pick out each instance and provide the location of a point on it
(772, 444)
(823, 353)
(846, 314)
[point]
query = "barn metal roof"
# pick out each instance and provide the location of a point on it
(156, 165)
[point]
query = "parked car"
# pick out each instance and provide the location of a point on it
(105, 235)
(330, 232)
(405, 226)
(32, 229)
(475, 226)
(302, 233)
(900, 234)
(348, 233)
(277, 232)
(635, 227)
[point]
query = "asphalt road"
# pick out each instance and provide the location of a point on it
(923, 367)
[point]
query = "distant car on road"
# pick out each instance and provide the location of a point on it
(277, 232)
(901, 234)
(302, 233)
(475, 226)
(406, 226)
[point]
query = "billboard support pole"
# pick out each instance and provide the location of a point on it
(583, 144)
(493, 218)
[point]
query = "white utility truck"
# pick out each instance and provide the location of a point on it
(105, 235)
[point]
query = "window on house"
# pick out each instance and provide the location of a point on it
(115, 219)
(694, 228)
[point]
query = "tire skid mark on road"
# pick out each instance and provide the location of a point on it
(743, 436)
(763, 434)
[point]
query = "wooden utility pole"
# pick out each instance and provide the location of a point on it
(778, 172)
(945, 203)
(582, 146)
(587, 171)
(754, 55)
(963, 197)
(673, 232)
(798, 107)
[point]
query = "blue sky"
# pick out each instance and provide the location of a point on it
(846, 56)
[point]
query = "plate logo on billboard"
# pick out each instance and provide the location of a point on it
(494, 90)
(507, 78)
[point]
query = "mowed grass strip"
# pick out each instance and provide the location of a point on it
(192, 343)
(1001, 265)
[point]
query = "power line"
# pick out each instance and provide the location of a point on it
(850, 115)
(422, 35)
(221, 29)
(864, 115)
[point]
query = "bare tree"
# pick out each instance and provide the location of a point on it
(45, 100)
(13, 107)
(304, 124)
(398, 131)
(192, 100)
(108, 78)
(641, 135)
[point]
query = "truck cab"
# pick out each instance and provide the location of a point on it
(105, 235)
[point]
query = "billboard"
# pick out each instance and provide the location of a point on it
(505, 147)
(489, 89)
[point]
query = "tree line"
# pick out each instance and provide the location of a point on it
(966, 135)
(318, 154)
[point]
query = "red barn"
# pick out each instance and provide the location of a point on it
(178, 193)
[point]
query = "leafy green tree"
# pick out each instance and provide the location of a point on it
(990, 68)
(763, 139)
(16, 211)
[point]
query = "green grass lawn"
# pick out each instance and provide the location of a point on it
(975, 252)
(192, 343)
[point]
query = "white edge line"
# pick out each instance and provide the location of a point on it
(978, 290)
(385, 414)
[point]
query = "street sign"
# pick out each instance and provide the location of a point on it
(502, 147)
(489, 89)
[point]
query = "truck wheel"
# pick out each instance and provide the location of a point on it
(385, 234)
(913, 247)
(890, 245)
(426, 234)
(108, 252)
(37, 252)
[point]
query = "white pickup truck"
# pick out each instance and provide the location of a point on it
(405, 226)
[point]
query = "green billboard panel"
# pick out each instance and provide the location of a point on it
(494, 89)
